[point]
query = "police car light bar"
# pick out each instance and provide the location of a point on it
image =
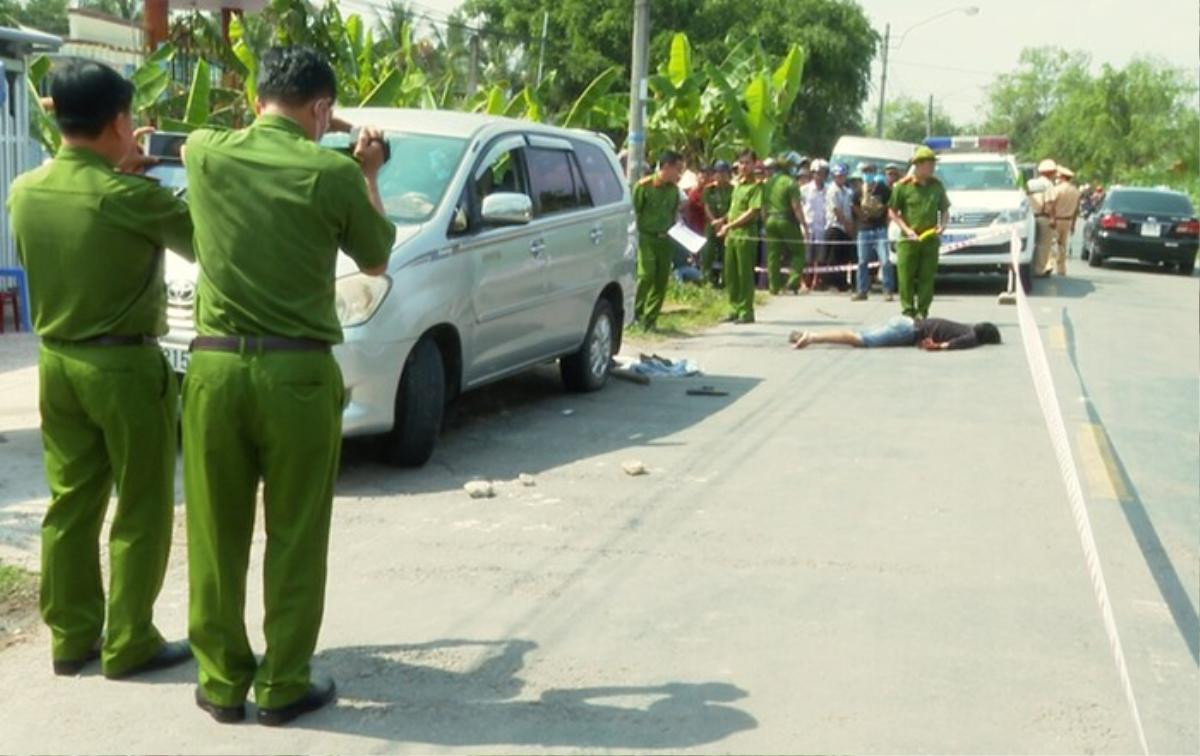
(972, 143)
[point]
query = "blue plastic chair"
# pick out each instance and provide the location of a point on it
(18, 274)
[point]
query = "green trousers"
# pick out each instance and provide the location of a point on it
(653, 275)
(274, 418)
(740, 256)
(916, 267)
(108, 419)
(713, 250)
(785, 240)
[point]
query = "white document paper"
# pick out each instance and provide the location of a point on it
(687, 238)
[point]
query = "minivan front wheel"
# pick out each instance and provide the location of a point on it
(587, 369)
(420, 405)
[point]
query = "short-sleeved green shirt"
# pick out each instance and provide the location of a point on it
(656, 204)
(91, 241)
(716, 197)
(271, 210)
(780, 192)
(920, 204)
(746, 196)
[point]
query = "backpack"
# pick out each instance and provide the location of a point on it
(873, 208)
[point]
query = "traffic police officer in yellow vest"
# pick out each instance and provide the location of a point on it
(263, 395)
(740, 232)
(656, 201)
(91, 239)
(1041, 198)
(1066, 211)
(784, 223)
(921, 207)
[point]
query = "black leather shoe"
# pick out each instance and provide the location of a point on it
(171, 654)
(223, 714)
(320, 693)
(72, 667)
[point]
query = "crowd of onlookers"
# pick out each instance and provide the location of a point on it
(843, 220)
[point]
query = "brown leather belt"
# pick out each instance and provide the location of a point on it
(108, 340)
(255, 344)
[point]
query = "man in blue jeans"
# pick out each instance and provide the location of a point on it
(870, 209)
(931, 334)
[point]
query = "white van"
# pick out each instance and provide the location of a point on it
(853, 150)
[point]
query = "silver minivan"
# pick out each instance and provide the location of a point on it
(515, 246)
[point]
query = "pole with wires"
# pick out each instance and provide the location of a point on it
(637, 90)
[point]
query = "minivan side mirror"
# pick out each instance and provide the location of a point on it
(506, 209)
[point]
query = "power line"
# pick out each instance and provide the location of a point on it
(972, 71)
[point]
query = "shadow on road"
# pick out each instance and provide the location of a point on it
(528, 424)
(1170, 586)
(422, 693)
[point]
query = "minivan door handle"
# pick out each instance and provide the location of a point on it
(596, 234)
(537, 247)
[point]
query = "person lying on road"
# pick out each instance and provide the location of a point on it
(931, 334)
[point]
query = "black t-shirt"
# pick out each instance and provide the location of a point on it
(874, 214)
(954, 335)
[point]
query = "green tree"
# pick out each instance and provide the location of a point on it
(905, 119)
(589, 36)
(1134, 124)
(44, 15)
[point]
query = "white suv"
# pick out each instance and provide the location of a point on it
(987, 200)
(515, 246)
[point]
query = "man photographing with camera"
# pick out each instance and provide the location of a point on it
(263, 396)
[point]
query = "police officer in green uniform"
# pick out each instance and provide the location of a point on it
(656, 203)
(716, 197)
(784, 211)
(91, 239)
(263, 395)
(920, 206)
(741, 244)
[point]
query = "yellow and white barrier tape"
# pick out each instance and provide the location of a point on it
(1039, 368)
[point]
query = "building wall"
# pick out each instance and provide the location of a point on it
(18, 152)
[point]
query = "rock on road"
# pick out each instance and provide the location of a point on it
(853, 551)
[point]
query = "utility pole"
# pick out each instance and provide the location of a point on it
(473, 66)
(542, 47)
(636, 160)
(887, 41)
(929, 119)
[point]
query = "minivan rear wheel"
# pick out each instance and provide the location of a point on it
(587, 369)
(1094, 259)
(420, 405)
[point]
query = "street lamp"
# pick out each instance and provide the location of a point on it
(969, 10)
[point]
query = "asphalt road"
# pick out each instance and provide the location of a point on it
(854, 551)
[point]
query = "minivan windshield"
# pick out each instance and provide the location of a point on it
(984, 175)
(1149, 201)
(414, 181)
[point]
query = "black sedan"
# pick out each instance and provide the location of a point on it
(1150, 225)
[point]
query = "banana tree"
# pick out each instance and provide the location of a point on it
(757, 99)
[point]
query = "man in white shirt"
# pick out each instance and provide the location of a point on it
(813, 196)
(839, 204)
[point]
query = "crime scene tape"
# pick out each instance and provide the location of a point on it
(942, 250)
(1039, 368)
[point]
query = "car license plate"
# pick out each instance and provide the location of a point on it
(177, 359)
(1151, 229)
(954, 238)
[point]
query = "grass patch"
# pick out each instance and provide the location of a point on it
(18, 603)
(689, 310)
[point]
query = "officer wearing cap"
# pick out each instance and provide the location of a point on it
(716, 197)
(784, 211)
(655, 203)
(263, 396)
(1066, 211)
(91, 239)
(1041, 198)
(921, 207)
(740, 232)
